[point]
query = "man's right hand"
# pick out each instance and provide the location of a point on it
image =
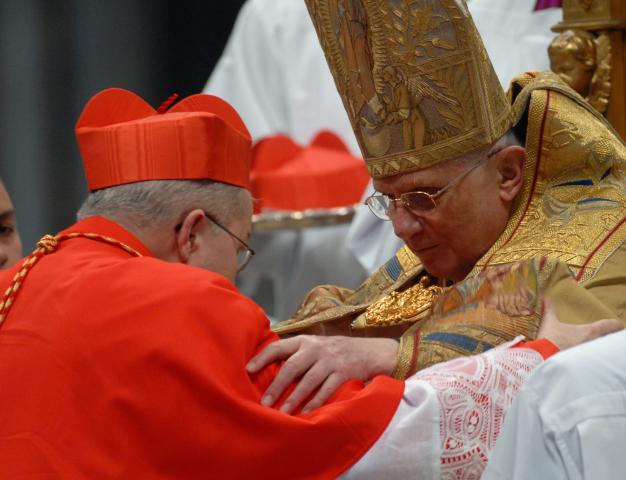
(323, 363)
(565, 335)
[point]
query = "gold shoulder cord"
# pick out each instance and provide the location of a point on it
(47, 245)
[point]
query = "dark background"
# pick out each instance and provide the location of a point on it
(54, 55)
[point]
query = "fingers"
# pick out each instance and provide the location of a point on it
(330, 386)
(604, 327)
(566, 336)
(307, 385)
(330, 367)
(549, 320)
(548, 309)
(322, 361)
(289, 372)
(316, 293)
(278, 350)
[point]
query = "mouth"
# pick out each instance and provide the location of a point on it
(423, 250)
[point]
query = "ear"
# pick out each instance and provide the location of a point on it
(510, 166)
(186, 237)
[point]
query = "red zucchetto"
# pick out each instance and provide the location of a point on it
(123, 140)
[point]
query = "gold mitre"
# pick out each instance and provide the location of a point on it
(414, 77)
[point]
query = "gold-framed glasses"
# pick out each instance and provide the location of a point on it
(417, 202)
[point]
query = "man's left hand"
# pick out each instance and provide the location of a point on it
(322, 362)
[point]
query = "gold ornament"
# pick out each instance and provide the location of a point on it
(402, 307)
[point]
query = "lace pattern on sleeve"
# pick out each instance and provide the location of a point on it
(474, 394)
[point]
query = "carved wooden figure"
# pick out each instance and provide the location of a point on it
(589, 54)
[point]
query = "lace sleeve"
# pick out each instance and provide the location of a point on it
(474, 394)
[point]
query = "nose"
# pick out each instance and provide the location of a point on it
(406, 224)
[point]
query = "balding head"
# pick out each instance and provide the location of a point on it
(169, 217)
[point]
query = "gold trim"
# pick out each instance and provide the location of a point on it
(553, 216)
(47, 245)
(616, 24)
(406, 354)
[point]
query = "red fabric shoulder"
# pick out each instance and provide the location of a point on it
(144, 362)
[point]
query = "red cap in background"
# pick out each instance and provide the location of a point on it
(287, 176)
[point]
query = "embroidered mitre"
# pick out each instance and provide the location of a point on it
(414, 78)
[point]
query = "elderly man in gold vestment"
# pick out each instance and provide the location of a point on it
(528, 187)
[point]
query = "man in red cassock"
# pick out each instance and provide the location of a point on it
(124, 343)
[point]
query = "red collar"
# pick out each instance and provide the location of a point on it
(108, 228)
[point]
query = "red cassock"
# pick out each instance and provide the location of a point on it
(113, 366)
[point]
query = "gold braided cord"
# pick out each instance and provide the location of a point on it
(405, 363)
(47, 245)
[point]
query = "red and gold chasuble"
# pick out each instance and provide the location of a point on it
(116, 366)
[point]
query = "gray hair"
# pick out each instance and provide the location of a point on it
(509, 139)
(160, 202)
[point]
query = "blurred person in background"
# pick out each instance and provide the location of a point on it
(10, 243)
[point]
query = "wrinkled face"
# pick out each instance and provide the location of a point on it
(10, 243)
(218, 252)
(468, 219)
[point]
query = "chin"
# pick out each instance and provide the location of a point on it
(435, 268)
(442, 269)
(442, 262)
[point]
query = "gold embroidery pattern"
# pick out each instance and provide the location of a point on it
(482, 312)
(374, 288)
(572, 205)
(484, 327)
(406, 355)
(574, 196)
(414, 78)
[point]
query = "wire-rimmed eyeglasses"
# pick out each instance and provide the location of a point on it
(417, 202)
(243, 255)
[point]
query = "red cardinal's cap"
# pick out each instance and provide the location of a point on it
(288, 176)
(123, 140)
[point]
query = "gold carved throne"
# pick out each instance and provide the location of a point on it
(589, 54)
